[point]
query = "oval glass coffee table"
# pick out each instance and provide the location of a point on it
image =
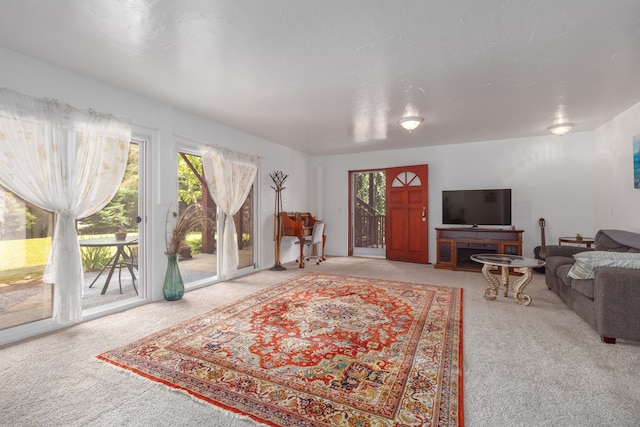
(518, 263)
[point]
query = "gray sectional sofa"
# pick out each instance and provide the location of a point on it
(603, 285)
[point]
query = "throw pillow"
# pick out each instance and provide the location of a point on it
(586, 262)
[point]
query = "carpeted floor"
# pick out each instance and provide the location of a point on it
(318, 349)
(539, 365)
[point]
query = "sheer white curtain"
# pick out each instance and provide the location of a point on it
(67, 161)
(229, 178)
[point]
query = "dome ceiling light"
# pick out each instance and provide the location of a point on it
(560, 128)
(410, 123)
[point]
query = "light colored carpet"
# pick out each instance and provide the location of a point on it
(539, 365)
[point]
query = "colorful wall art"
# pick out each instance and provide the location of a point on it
(636, 161)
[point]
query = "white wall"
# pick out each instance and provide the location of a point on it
(617, 203)
(551, 177)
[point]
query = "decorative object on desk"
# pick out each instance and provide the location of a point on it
(278, 178)
(185, 222)
(578, 236)
(318, 349)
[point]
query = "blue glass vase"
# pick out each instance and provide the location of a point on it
(173, 284)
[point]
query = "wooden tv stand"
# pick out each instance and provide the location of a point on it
(456, 245)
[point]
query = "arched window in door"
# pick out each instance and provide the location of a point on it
(407, 178)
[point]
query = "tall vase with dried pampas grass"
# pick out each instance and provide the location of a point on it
(185, 222)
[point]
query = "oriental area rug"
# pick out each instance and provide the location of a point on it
(318, 350)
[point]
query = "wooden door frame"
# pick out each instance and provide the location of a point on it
(350, 204)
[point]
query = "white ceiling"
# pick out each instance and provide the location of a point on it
(335, 76)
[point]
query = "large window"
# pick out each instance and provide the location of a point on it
(111, 267)
(25, 242)
(110, 243)
(244, 228)
(199, 256)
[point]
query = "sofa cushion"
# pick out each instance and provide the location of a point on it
(554, 262)
(587, 262)
(563, 273)
(583, 286)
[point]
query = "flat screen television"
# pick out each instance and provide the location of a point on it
(476, 207)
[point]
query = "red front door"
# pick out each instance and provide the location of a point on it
(407, 220)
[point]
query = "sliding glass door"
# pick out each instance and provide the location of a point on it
(200, 254)
(244, 229)
(25, 242)
(111, 242)
(112, 264)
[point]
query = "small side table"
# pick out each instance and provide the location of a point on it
(518, 263)
(587, 241)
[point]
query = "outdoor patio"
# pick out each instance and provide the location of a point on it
(29, 300)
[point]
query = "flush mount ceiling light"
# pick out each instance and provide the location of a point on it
(560, 128)
(410, 123)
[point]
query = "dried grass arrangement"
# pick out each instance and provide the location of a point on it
(189, 219)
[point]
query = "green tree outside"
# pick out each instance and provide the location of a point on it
(189, 186)
(122, 210)
(371, 189)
